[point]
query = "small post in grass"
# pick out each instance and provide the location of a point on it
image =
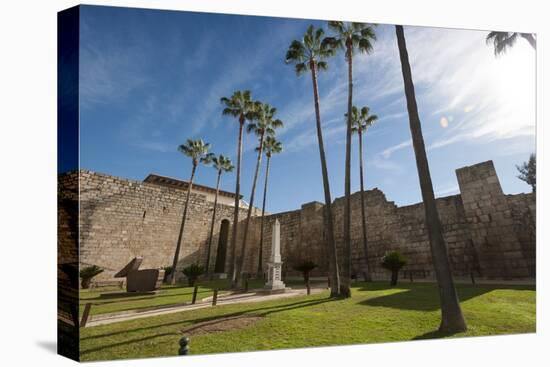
(472, 277)
(184, 346)
(215, 297)
(245, 283)
(85, 314)
(194, 294)
(308, 287)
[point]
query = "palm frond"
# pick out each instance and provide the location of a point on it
(197, 150)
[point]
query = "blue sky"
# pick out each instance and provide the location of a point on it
(149, 80)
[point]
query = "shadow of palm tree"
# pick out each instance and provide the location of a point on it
(261, 311)
(436, 334)
(424, 297)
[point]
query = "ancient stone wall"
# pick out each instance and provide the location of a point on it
(487, 233)
(495, 233)
(121, 219)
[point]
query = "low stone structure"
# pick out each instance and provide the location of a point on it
(487, 232)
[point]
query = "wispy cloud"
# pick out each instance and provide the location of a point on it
(447, 190)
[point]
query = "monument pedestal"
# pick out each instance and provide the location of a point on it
(274, 278)
(274, 266)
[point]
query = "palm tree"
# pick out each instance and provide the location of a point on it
(361, 121)
(240, 106)
(271, 146)
(349, 36)
(503, 40)
(451, 314)
(263, 124)
(197, 150)
(221, 164)
(310, 54)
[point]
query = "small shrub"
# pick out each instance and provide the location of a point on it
(393, 261)
(305, 267)
(167, 273)
(193, 272)
(87, 273)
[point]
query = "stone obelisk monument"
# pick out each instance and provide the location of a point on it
(274, 266)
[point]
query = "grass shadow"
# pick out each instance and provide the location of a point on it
(261, 311)
(436, 334)
(424, 297)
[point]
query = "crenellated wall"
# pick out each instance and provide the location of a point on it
(487, 232)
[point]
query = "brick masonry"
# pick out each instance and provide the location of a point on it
(487, 232)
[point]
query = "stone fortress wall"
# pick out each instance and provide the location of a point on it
(487, 232)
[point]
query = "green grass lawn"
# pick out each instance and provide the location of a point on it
(109, 300)
(375, 313)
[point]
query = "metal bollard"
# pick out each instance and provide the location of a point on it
(184, 346)
(195, 294)
(215, 297)
(472, 277)
(246, 284)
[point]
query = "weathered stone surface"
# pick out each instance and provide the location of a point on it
(487, 232)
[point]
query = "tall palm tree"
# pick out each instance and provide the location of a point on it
(263, 124)
(451, 314)
(221, 164)
(349, 36)
(361, 121)
(240, 106)
(309, 54)
(503, 40)
(271, 146)
(197, 150)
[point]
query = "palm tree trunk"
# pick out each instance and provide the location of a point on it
(182, 226)
(334, 273)
(249, 213)
(363, 213)
(260, 265)
(451, 313)
(209, 249)
(237, 201)
(346, 273)
(529, 37)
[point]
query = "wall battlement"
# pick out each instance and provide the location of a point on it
(487, 232)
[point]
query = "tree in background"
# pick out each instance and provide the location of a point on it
(528, 172)
(349, 36)
(271, 146)
(240, 106)
(393, 261)
(221, 164)
(361, 121)
(263, 124)
(309, 54)
(197, 150)
(502, 41)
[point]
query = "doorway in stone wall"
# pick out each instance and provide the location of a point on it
(222, 247)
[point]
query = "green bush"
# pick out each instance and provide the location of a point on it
(87, 273)
(305, 267)
(193, 272)
(393, 261)
(167, 273)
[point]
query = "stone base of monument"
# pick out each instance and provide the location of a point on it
(268, 291)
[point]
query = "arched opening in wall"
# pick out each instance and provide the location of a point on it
(222, 247)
